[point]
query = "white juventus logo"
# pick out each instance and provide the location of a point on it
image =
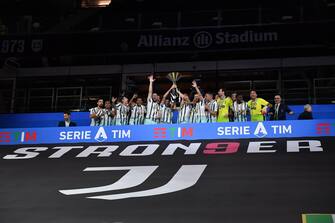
(186, 177)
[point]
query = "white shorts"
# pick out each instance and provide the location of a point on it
(149, 122)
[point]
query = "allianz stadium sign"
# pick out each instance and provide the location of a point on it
(204, 39)
(239, 38)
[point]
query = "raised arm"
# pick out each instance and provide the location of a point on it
(194, 84)
(151, 81)
(131, 102)
(180, 94)
(167, 93)
(114, 100)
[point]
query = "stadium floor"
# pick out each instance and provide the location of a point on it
(234, 188)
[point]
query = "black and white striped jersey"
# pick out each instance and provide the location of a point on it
(184, 113)
(152, 110)
(240, 111)
(213, 106)
(99, 112)
(137, 115)
(122, 114)
(198, 114)
(165, 114)
(108, 118)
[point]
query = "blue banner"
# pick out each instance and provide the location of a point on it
(231, 130)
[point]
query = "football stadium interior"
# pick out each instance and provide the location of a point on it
(136, 111)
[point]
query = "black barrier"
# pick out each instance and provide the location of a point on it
(269, 180)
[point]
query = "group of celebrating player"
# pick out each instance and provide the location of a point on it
(204, 108)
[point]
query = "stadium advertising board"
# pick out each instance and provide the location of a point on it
(278, 129)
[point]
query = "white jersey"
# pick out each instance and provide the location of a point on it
(240, 111)
(165, 114)
(184, 113)
(213, 106)
(137, 115)
(108, 119)
(198, 114)
(152, 110)
(99, 112)
(121, 114)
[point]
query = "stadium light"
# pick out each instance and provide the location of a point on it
(95, 3)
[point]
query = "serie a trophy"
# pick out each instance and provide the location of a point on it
(174, 96)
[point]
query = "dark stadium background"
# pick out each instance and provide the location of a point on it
(89, 50)
(63, 55)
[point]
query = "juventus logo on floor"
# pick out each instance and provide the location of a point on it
(186, 177)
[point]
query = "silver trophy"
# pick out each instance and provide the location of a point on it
(174, 77)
